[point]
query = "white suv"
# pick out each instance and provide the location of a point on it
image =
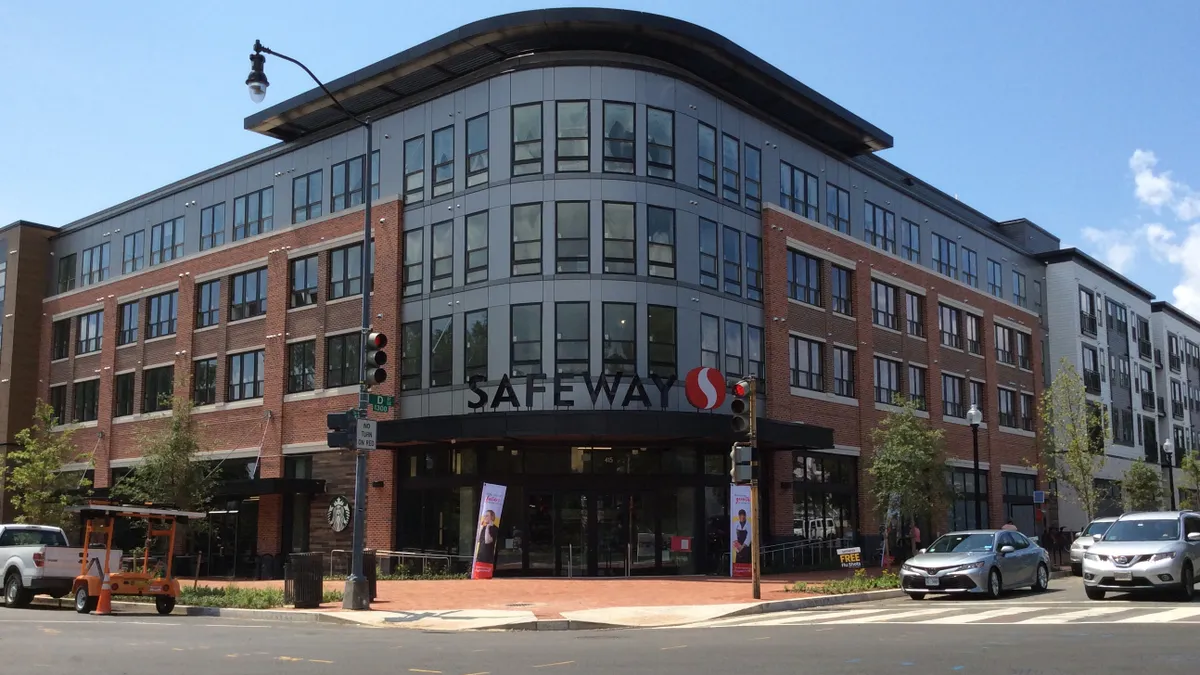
(1145, 552)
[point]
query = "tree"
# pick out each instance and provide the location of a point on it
(1142, 488)
(1075, 432)
(1190, 496)
(909, 464)
(40, 490)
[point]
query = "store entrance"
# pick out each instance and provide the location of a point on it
(591, 533)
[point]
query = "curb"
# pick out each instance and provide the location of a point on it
(223, 612)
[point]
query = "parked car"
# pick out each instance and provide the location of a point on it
(985, 562)
(1145, 552)
(1085, 540)
(37, 560)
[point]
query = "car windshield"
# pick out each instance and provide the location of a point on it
(1097, 528)
(1143, 530)
(962, 543)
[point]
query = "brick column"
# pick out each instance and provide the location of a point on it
(864, 384)
(270, 507)
(991, 415)
(385, 317)
(108, 360)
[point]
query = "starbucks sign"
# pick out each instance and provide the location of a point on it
(338, 514)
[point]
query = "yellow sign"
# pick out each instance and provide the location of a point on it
(850, 557)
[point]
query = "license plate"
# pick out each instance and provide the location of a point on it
(933, 581)
(1124, 576)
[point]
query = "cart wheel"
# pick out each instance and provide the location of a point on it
(84, 603)
(164, 604)
(14, 594)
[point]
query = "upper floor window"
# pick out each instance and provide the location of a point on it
(974, 334)
(248, 294)
(477, 247)
(343, 357)
(883, 305)
(204, 382)
(840, 293)
(916, 386)
(732, 243)
(945, 256)
(60, 341)
(753, 178)
(952, 394)
(441, 351)
(572, 324)
(58, 401)
(66, 273)
(123, 385)
(730, 168)
(246, 376)
(443, 161)
(619, 349)
(571, 149)
(526, 351)
(414, 259)
(158, 385)
(1117, 315)
(733, 349)
(995, 279)
(754, 269)
(127, 326)
(1087, 311)
(660, 143)
(950, 326)
(346, 182)
(706, 154)
(843, 372)
(212, 226)
(527, 139)
(660, 242)
(911, 248)
(306, 197)
(837, 208)
(345, 271)
(915, 312)
(87, 400)
(887, 380)
(798, 191)
(133, 252)
(89, 332)
(970, 268)
(620, 250)
(618, 137)
(414, 170)
(710, 341)
(755, 363)
(708, 253)
(1019, 297)
(166, 241)
(94, 266)
(1004, 344)
(304, 281)
(879, 227)
(804, 278)
(475, 345)
(1025, 350)
(807, 363)
(441, 256)
(411, 356)
(661, 339)
(302, 366)
(477, 150)
(527, 239)
(572, 224)
(161, 314)
(208, 303)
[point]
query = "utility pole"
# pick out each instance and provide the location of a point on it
(755, 565)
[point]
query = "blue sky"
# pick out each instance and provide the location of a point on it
(1035, 110)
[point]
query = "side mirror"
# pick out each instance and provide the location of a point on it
(1097, 537)
(1193, 536)
(1005, 550)
(919, 552)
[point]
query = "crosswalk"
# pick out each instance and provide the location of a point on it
(967, 614)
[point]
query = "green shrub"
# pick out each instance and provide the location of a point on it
(235, 597)
(858, 583)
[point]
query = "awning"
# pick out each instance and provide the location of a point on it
(259, 487)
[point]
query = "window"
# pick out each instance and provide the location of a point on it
(248, 294)
(477, 150)
(661, 339)
(526, 350)
(1091, 370)
(302, 366)
(571, 328)
(441, 254)
(477, 247)
(1025, 350)
(306, 197)
(949, 326)
(730, 168)
(346, 183)
(883, 305)
(254, 213)
(798, 191)
(754, 352)
(840, 293)
(970, 268)
(804, 278)
(708, 253)
(60, 341)
(837, 208)
(343, 358)
(945, 256)
(974, 334)
(414, 169)
(879, 227)
(915, 313)
(618, 137)
(158, 385)
(475, 344)
(304, 281)
(573, 126)
(732, 243)
(1004, 344)
(89, 332)
(887, 380)
(620, 255)
(952, 392)
(87, 401)
(733, 349)
(58, 401)
(1018, 281)
(127, 329)
(212, 226)
(443, 161)
(204, 382)
(66, 273)
(843, 372)
(620, 337)
(246, 376)
(911, 248)
(527, 139)
(133, 252)
(1027, 411)
(572, 223)
(1037, 296)
(1117, 315)
(527, 239)
(977, 396)
(660, 143)
(995, 279)
(94, 265)
(753, 178)
(660, 242)
(123, 385)
(166, 241)
(710, 341)
(807, 364)
(161, 314)
(916, 386)
(754, 269)
(414, 272)
(706, 153)
(441, 351)
(410, 356)
(1008, 408)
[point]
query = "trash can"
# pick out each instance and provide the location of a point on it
(371, 569)
(303, 580)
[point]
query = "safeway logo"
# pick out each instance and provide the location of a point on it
(705, 388)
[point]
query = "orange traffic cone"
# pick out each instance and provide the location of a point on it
(104, 606)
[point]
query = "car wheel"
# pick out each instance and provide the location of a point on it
(917, 596)
(1188, 592)
(995, 584)
(14, 594)
(1042, 582)
(84, 603)
(1077, 570)
(164, 604)
(1093, 593)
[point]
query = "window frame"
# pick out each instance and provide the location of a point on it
(945, 256)
(656, 268)
(442, 376)
(910, 248)
(889, 316)
(575, 264)
(731, 178)
(528, 265)
(612, 263)
(572, 329)
(837, 208)
(442, 186)
(706, 167)
(155, 386)
(240, 311)
(263, 221)
(167, 252)
(893, 386)
(731, 261)
(411, 354)
(1020, 292)
(804, 278)
(344, 370)
(236, 390)
(475, 272)
(879, 227)
(572, 163)
(952, 406)
(734, 348)
(531, 365)
(124, 402)
(212, 234)
(914, 305)
(470, 366)
(94, 265)
(613, 162)
(133, 252)
(538, 163)
(845, 363)
(710, 358)
(918, 391)
(995, 285)
(413, 263)
(89, 341)
(302, 371)
(657, 169)
(342, 187)
(441, 267)
(308, 210)
(303, 270)
(611, 365)
(754, 269)
(478, 176)
(841, 290)
(126, 335)
(345, 284)
(663, 368)
(970, 267)
(60, 338)
(812, 379)
(710, 279)
(162, 314)
(85, 393)
(413, 195)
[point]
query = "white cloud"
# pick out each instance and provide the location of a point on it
(1117, 247)
(1153, 190)
(1168, 246)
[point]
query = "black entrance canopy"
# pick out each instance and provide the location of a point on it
(611, 425)
(259, 487)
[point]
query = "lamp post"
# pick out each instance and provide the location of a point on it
(974, 418)
(1168, 461)
(357, 595)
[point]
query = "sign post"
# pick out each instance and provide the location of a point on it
(367, 435)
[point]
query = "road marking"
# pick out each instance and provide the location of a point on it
(1081, 614)
(152, 623)
(176, 649)
(675, 647)
(482, 673)
(288, 658)
(892, 617)
(231, 656)
(557, 663)
(51, 631)
(230, 625)
(419, 670)
(981, 616)
(319, 661)
(1162, 617)
(761, 638)
(814, 617)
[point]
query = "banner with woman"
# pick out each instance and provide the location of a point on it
(740, 532)
(487, 535)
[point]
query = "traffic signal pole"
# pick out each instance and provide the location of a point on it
(755, 566)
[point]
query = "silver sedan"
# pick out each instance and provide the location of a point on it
(986, 562)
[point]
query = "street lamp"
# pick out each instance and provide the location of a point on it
(356, 594)
(1168, 461)
(974, 418)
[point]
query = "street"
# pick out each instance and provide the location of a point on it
(1056, 632)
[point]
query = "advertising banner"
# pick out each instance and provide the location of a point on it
(851, 558)
(487, 536)
(740, 531)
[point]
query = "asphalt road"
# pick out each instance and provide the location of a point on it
(44, 640)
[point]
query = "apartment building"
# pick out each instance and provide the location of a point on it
(1176, 337)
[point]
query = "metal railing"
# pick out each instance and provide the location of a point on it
(1091, 381)
(1148, 400)
(417, 562)
(795, 555)
(1087, 323)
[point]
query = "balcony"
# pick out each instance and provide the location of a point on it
(1143, 348)
(1177, 409)
(1005, 356)
(951, 339)
(1091, 381)
(1087, 323)
(1008, 419)
(1148, 401)
(1173, 361)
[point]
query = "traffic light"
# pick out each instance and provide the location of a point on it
(340, 430)
(376, 359)
(741, 407)
(741, 469)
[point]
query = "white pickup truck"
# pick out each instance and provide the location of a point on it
(37, 560)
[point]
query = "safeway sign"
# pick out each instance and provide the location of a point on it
(367, 435)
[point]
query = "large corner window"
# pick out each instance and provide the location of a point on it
(443, 161)
(414, 170)
(477, 150)
(571, 149)
(618, 137)
(660, 143)
(527, 139)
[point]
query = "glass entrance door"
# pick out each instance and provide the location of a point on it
(572, 537)
(540, 520)
(626, 534)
